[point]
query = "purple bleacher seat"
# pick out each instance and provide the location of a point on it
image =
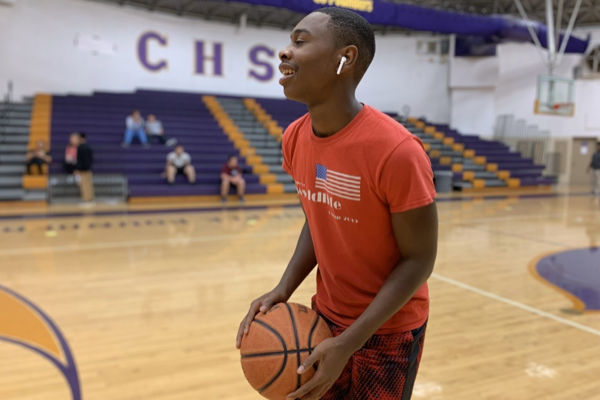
(283, 111)
(497, 153)
(184, 116)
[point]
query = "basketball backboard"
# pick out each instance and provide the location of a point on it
(555, 96)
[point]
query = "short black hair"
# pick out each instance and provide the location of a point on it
(348, 29)
(83, 135)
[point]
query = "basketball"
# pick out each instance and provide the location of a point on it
(277, 343)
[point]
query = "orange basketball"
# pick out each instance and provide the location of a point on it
(278, 342)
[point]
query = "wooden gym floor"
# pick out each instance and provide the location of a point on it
(149, 299)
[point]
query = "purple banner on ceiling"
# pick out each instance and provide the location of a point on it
(378, 12)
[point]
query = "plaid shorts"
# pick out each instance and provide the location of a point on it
(385, 368)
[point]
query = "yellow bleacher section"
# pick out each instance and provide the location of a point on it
(41, 117)
(467, 153)
(266, 119)
(243, 145)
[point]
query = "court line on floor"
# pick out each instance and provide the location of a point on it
(117, 245)
(451, 220)
(92, 213)
(512, 196)
(517, 304)
(117, 213)
(518, 236)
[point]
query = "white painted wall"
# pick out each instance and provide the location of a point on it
(473, 110)
(473, 81)
(520, 65)
(482, 89)
(512, 75)
(37, 52)
(474, 72)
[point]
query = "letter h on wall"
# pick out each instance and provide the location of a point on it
(217, 58)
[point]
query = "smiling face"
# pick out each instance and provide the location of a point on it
(309, 62)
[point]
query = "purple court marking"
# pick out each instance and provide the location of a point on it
(576, 272)
(69, 370)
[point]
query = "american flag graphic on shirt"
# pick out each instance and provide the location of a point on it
(338, 184)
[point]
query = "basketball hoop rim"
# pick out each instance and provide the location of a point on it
(565, 106)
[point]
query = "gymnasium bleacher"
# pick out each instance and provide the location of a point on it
(203, 125)
(476, 163)
(14, 135)
(184, 116)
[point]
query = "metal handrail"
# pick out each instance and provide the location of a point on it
(529, 140)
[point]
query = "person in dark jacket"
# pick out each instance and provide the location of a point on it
(83, 169)
(595, 167)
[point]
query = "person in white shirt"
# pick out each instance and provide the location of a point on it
(179, 162)
(154, 128)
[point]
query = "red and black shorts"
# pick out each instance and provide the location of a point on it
(385, 368)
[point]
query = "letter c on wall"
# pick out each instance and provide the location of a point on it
(143, 51)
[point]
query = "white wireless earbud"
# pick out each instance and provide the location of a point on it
(342, 61)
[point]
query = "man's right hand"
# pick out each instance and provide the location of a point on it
(261, 304)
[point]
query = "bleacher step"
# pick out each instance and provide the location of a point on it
(35, 195)
(13, 148)
(12, 158)
(16, 130)
(11, 194)
(10, 181)
(14, 169)
(21, 138)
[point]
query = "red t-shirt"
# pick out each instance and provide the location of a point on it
(235, 171)
(349, 185)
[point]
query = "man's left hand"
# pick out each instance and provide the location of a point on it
(331, 356)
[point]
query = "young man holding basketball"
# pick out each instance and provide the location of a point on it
(366, 187)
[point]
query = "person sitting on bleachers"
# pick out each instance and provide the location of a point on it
(179, 163)
(38, 156)
(71, 154)
(135, 127)
(231, 174)
(155, 129)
